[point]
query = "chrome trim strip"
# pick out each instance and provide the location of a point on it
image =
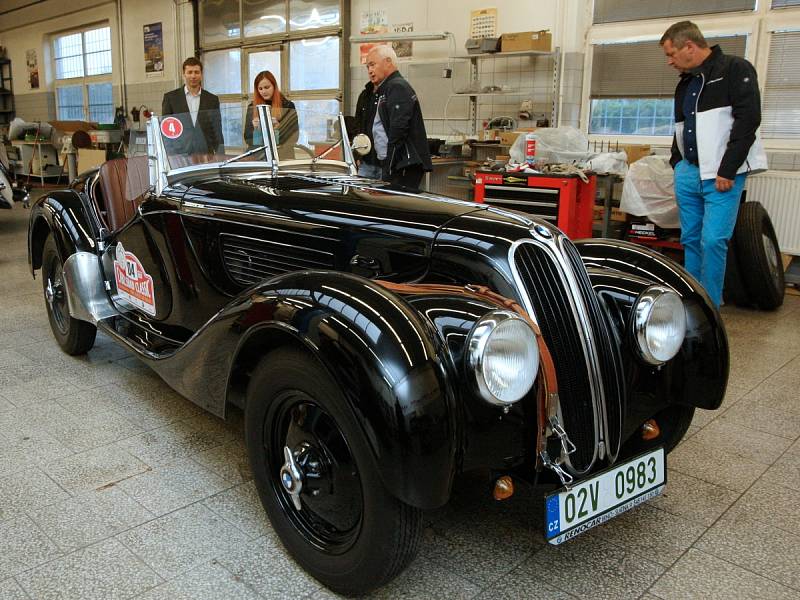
(87, 298)
(579, 311)
(596, 373)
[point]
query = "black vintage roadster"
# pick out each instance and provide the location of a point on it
(381, 341)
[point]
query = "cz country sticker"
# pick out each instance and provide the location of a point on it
(171, 127)
(133, 284)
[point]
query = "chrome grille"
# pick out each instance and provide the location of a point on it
(250, 260)
(607, 351)
(550, 299)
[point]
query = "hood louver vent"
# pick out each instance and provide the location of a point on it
(250, 260)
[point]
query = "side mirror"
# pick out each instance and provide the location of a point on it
(361, 144)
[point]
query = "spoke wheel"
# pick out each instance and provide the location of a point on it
(74, 336)
(317, 477)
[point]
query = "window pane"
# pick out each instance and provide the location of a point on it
(269, 60)
(70, 102)
(313, 117)
(631, 116)
(311, 14)
(781, 114)
(96, 40)
(314, 64)
(222, 72)
(232, 124)
(98, 63)
(101, 102)
(69, 67)
(68, 45)
(219, 21)
(264, 17)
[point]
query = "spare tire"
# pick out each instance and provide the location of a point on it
(759, 258)
(733, 290)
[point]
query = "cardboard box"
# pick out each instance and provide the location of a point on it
(507, 138)
(541, 41)
(616, 214)
(89, 159)
(635, 151)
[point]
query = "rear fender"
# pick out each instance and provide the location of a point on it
(64, 215)
(391, 364)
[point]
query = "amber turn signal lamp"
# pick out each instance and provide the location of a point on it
(503, 488)
(650, 430)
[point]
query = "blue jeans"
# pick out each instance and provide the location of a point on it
(707, 221)
(370, 171)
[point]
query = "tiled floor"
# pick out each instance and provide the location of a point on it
(113, 486)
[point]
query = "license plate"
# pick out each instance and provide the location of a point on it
(571, 511)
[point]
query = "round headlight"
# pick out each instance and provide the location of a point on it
(659, 324)
(503, 355)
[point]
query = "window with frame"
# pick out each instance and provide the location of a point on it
(83, 67)
(784, 3)
(632, 87)
(780, 117)
(300, 41)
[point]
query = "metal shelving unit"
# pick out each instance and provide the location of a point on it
(6, 92)
(474, 79)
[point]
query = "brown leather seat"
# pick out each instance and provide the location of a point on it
(124, 182)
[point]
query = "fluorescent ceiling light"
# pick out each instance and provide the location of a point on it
(405, 36)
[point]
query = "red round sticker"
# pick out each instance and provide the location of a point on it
(171, 128)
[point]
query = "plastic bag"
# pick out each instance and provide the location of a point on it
(649, 191)
(609, 162)
(554, 145)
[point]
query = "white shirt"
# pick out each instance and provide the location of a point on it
(193, 101)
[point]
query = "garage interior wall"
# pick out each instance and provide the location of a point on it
(33, 28)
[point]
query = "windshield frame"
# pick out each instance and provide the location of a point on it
(161, 175)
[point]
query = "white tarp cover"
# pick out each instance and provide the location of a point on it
(649, 191)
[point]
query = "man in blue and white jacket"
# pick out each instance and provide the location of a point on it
(717, 115)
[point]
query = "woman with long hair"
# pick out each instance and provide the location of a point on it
(284, 117)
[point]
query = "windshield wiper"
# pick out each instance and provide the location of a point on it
(325, 152)
(248, 153)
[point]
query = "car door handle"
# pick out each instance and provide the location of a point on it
(365, 262)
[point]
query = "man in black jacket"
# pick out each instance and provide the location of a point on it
(398, 131)
(717, 115)
(198, 111)
(364, 118)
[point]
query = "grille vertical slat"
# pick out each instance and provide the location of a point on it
(552, 307)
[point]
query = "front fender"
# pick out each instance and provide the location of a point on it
(698, 375)
(65, 215)
(389, 359)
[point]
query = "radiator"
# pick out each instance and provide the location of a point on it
(779, 192)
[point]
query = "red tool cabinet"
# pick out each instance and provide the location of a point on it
(563, 200)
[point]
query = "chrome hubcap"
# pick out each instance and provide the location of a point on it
(291, 477)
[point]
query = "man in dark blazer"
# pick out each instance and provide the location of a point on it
(198, 111)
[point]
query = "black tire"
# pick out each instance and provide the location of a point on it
(74, 336)
(350, 534)
(733, 290)
(673, 422)
(760, 262)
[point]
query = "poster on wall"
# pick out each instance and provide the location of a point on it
(33, 69)
(403, 49)
(153, 49)
(372, 21)
(483, 23)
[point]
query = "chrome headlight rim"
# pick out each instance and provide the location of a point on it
(643, 311)
(476, 358)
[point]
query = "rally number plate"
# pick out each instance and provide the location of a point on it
(570, 512)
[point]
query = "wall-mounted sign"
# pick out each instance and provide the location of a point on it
(33, 69)
(153, 48)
